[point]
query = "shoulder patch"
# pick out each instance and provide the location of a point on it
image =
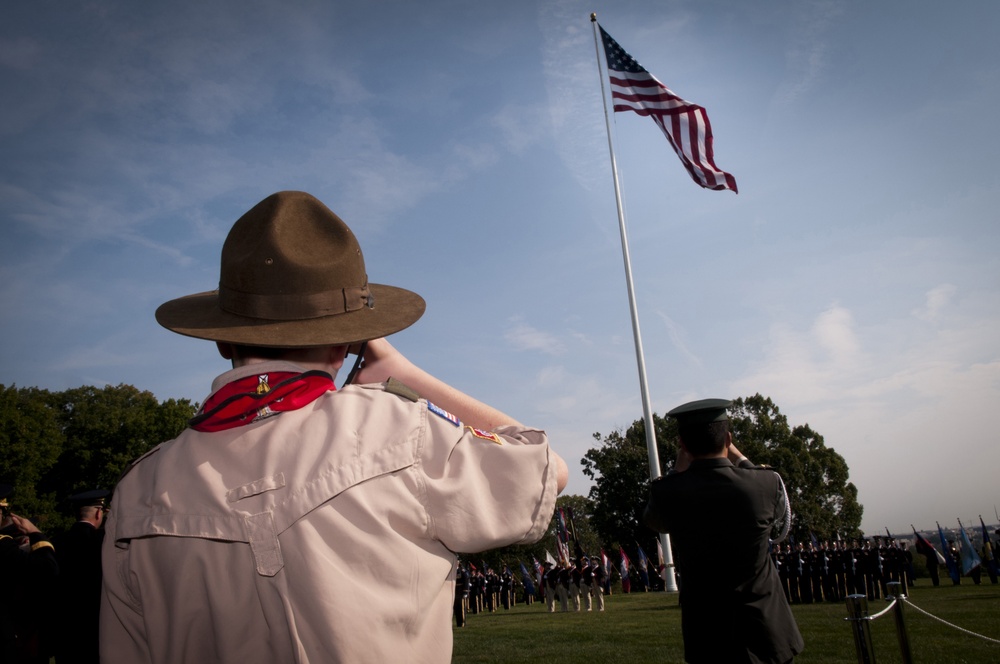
(485, 435)
(441, 412)
(393, 386)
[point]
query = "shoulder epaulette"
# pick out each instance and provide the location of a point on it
(398, 388)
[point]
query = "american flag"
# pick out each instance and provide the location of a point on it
(685, 125)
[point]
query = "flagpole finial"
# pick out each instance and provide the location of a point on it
(593, 17)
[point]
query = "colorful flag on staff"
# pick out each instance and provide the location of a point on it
(949, 560)
(643, 565)
(662, 563)
(624, 568)
(989, 555)
(970, 559)
(685, 125)
(924, 546)
(606, 564)
(529, 586)
(561, 521)
(563, 549)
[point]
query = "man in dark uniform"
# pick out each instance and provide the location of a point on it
(462, 586)
(732, 606)
(587, 584)
(551, 581)
(30, 570)
(794, 558)
(78, 551)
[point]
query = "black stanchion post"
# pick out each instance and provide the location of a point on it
(857, 612)
(896, 590)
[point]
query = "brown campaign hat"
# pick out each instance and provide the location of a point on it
(292, 276)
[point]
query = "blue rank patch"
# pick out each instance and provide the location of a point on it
(440, 412)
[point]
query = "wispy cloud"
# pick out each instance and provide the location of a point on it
(522, 336)
(676, 334)
(937, 300)
(806, 53)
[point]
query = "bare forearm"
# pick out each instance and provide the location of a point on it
(382, 361)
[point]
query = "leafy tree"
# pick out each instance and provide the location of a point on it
(31, 439)
(106, 428)
(55, 444)
(620, 470)
(824, 503)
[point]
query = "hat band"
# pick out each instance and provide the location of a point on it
(289, 306)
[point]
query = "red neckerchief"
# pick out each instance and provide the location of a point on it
(249, 399)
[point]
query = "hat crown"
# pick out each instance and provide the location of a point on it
(291, 258)
(702, 411)
(291, 242)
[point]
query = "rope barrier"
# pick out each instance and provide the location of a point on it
(877, 615)
(883, 611)
(961, 629)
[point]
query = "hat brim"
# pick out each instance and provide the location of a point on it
(200, 316)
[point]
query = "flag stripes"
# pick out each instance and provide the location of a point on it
(685, 125)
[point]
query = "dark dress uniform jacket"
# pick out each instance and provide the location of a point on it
(78, 551)
(720, 517)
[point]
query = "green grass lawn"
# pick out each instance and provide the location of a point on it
(645, 627)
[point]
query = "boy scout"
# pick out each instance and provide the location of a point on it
(294, 521)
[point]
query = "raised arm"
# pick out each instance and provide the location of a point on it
(383, 361)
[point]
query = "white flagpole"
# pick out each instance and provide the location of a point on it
(647, 411)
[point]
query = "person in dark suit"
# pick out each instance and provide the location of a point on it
(78, 551)
(732, 605)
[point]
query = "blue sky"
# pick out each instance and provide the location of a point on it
(854, 279)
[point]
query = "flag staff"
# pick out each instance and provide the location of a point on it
(670, 583)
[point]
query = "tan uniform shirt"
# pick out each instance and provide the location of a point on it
(324, 534)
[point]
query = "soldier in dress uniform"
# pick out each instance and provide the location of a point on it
(576, 578)
(852, 565)
(732, 606)
(586, 584)
(551, 583)
(805, 578)
(817, 567)
(506, 588)
(780, 558)
(793, 556)
(78, 551)
(463, 583)
(600, 580)
(30, 569)
(562, 589)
